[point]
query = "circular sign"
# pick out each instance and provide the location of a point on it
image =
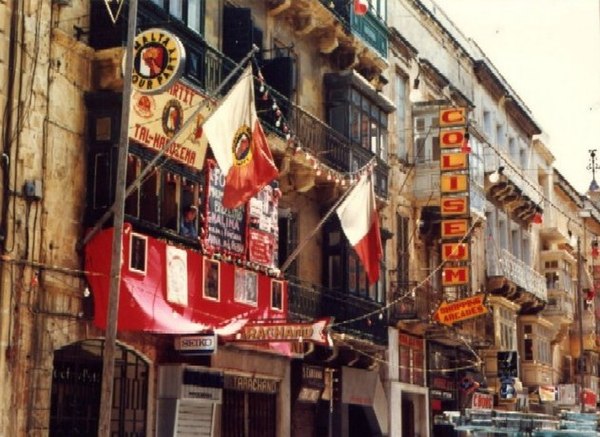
(158, 61)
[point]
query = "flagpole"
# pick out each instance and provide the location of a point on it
(191, 119)
(110, 335)
(299, 248)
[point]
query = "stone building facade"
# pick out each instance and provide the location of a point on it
(340, 94)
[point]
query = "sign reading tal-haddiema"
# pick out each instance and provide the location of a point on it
(459, 310)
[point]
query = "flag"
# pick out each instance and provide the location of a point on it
(361, 7)
(239, 144)
(360, 222)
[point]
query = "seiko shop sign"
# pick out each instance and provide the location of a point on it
(204, 344)
(251, 384)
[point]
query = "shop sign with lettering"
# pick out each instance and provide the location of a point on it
(454, 183)
(452, 117)
(158, 60)
(455, 252)
(250, 384)
(316, 332)
(459, 310)
(202, 344)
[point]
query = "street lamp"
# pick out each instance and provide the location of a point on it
(593, 166)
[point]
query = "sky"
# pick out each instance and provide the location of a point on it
(549, 52)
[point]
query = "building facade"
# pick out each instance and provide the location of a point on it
(262, 321)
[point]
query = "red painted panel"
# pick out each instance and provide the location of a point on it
(143, 304)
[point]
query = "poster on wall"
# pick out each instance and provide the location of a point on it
(225, 228)
(263, 229)
(177, 285)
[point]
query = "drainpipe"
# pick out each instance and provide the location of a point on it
(6, 291)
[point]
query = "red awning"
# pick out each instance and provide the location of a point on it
(144, 304)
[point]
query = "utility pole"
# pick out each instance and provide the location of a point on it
(108, 367)
(580, 363)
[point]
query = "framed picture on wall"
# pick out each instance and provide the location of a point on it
(246, 287)
(211, 283)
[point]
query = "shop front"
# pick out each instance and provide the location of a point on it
(364, 405)
(310, 412)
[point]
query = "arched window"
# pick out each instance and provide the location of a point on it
(76, 390)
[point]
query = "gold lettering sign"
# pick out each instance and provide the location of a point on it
(455, 252)
(452, 117)
(456, 228)
(454, 162)
(455, 276)
(452, 138)
(454, 183)
(454, 205)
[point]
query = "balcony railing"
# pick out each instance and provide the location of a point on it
(501, 262)
(310, 301)
(414, 304)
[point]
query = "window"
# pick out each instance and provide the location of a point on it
(426, 142)
(523, 159)
(400, 82)
(507, 327)
(500, 136)
(358, 114)
(487, 123)
(528, 349)
(190, 12)
(378, 8)
(344, 270)
(411, 359)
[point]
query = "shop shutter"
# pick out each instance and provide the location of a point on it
(194, 419)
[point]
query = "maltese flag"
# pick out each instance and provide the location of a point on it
(360, 222)
(239, 144)
(361, 7)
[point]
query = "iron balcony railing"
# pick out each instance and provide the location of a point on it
(501, 262)
(311, 301)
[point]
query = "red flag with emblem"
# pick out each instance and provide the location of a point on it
(239, 144)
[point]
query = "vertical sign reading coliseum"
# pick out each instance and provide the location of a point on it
(456, 219)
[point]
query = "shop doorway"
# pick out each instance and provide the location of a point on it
(408, 418)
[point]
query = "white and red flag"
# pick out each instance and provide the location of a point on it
(360, 222)
(239, 144)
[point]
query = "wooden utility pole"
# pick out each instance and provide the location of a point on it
(108, 368)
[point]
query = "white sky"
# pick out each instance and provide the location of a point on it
(549, 52)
